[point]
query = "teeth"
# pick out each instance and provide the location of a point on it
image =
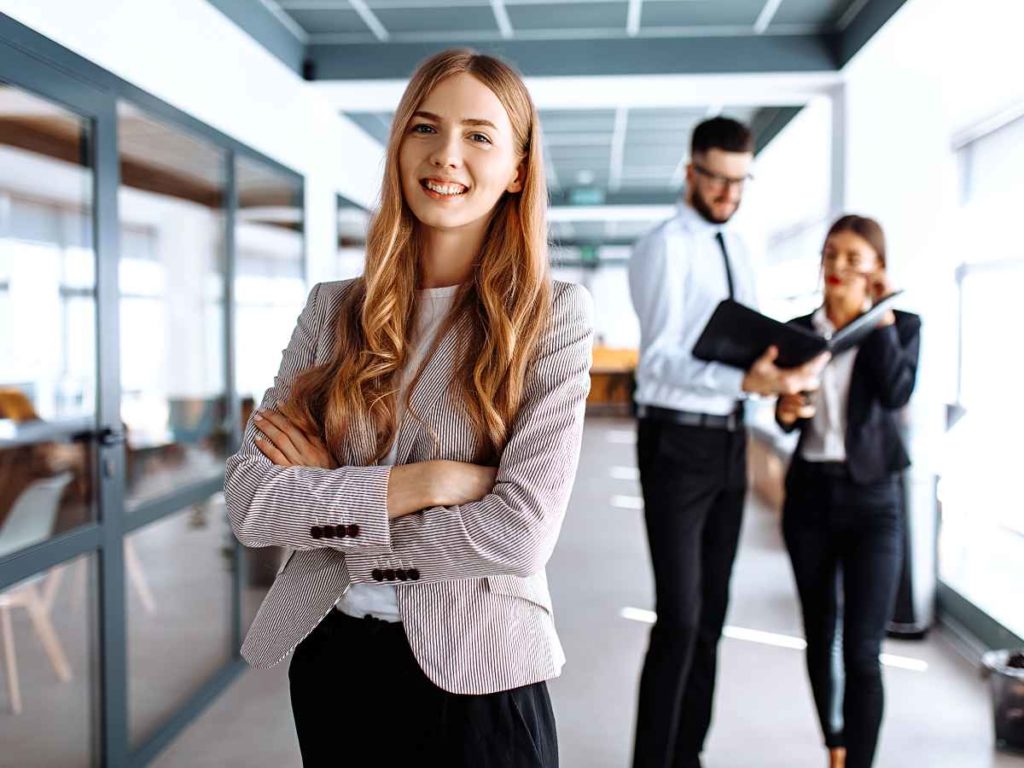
(445, 189)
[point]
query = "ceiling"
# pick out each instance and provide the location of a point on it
(617, 151)
(601, 155)
(341, 21)
(605, 156)
(348, 39)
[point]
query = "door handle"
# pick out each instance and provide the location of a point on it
(105, 436)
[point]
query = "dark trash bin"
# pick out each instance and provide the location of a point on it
(1006, 674)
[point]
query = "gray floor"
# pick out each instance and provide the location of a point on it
(937, 718)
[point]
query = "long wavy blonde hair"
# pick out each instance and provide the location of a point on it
(500, 313)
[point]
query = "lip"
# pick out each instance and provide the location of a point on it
(440, 181)
(833, 280)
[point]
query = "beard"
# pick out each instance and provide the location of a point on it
(701, 206)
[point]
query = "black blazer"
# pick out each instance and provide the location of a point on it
(882, 381)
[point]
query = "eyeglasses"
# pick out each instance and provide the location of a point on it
(719, 181)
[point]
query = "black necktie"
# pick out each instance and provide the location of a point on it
(725, 258)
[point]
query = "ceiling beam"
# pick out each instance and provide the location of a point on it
(629, 56)
(633, 13)
(764, 19)
(370, 20)
(501, 18)
(769, 122)
(275, 31)
(612, 92)
(618, 149)
(858, 26)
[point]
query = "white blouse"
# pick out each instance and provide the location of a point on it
(381, 600)
(825, 435)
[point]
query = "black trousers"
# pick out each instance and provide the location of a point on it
(360, 699)
(694, 483)
(845, 544)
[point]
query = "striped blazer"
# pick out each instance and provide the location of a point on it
(479, 616)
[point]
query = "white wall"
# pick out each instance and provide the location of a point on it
(938, 68)
(789, 205)
(190, 55)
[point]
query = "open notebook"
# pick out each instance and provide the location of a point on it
(737, 335)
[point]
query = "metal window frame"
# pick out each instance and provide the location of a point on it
(38, 65)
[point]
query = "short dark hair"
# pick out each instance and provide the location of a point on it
(865, 228)
(721, 133)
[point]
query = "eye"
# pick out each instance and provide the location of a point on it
(480, 138)
(422, 128)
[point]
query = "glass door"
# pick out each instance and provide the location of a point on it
(58, 444)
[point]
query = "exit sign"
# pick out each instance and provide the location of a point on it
(586, 196)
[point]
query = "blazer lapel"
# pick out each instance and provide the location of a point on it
(433, 384)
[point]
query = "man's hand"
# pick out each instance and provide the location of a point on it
(792, 408)
(766, 378)
(288, 446)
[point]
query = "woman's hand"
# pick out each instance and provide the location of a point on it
(879, 286)
(414, 487)
(456, 482)
(791, 408)
(288, 446)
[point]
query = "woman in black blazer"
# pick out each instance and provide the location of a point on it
(842, 518)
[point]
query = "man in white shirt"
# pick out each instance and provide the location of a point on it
(691, 443)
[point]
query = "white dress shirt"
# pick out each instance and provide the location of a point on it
(825, 434)
(676, 279)
(380, 600)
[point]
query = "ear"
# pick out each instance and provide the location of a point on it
(691, 174)
(516, 185)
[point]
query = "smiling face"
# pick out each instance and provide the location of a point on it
(849, 263)
(458, 156)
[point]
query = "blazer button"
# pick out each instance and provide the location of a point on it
(377, 574)
(329, 532)
(389, 574)
(316, 532)
(341, 531)
(353, 530)
(400, 574)
(414, 574)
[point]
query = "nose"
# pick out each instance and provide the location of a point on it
(447, 152)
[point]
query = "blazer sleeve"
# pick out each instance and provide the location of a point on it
(271, 505)
(890, 356)
(513, 529)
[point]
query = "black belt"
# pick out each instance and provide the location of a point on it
(731, 422)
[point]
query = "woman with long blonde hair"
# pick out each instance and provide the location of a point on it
(418, 448)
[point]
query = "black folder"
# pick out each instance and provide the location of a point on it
(737, 335)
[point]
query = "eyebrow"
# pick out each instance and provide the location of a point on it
(464, 121)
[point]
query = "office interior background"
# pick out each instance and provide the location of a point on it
(176, 174)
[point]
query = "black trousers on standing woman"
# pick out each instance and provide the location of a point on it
(845, 543)
(359, 698)
(694, 483)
